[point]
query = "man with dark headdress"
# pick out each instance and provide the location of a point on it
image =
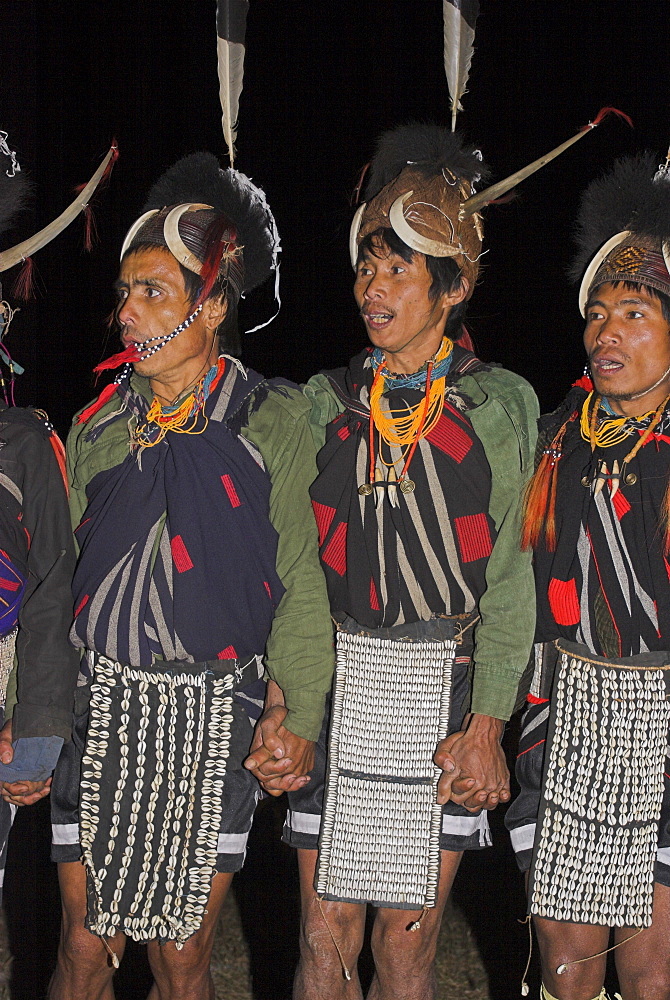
(592, 821)
(425, 453)
(38, 667)
(198, 570)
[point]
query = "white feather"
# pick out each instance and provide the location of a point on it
(459, 40)
(231, 76)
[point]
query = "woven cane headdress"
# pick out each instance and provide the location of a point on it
(624, 227)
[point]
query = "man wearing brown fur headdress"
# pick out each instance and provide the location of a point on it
(592, 822)
(424, 452)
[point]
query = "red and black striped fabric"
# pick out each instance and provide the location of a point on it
(387, 565)
(607, 583)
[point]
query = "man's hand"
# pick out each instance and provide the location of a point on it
(478, 778)
(19, 793)
(25, 793)
(278, 758)
(6, 748)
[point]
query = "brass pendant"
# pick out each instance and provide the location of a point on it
(586, 481)
(407, 485)
(365, 489)
(630, 479)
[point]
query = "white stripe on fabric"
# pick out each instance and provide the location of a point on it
(232, 843)
(465, 826)
(301, 822)
(537, 721)
(65, 833)
(663, 855)
(523, 838)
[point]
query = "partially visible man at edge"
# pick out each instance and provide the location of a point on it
(432, 535)
(601, 566)
(38, 666)
(197, 558)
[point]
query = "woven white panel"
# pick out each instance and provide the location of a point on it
(381, 823)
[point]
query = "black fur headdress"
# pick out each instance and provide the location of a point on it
(634, 195)
(428, 148)
(198, 178)
(14, 192)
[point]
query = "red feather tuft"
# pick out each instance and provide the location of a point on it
(108, 170)
(130, 354)
(585, 382)
(603, 113)
(91, 231)
(97, 404)
(24, 286)
(216, 247)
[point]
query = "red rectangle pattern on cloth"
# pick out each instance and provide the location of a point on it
(450, 438)
(335, 553)
(180, 556)
(324, 518)
(82, 604)
(563, 601)
(374, 600)
(227, 654)
(474, 537)
(343, 433)
(229, 487)
(9, 584)
(620, 504)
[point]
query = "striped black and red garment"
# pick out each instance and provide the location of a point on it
(177, 550)
(386, 565)
(607, 583)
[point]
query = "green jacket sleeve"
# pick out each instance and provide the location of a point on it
(505, 420)
(299, 652)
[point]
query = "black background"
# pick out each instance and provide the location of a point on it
(321, 81)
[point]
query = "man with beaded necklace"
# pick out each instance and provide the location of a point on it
(198, 569)
(424, 452)
(597, 518)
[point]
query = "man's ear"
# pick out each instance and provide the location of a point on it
(214, 311)
(460, 293)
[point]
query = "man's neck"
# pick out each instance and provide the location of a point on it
(170, 386)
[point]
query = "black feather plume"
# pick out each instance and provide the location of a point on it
(199, 178)
(14, 192)
(627, 197)
(429, 148)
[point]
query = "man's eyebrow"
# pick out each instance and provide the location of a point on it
(147, 282)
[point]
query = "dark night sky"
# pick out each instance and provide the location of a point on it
(321, 81)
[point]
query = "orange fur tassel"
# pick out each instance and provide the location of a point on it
(539, 515)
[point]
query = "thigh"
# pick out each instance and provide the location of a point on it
(648, 956)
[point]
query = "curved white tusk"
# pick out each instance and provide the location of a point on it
(353, 234)
(597, 260)
(134, 229)
(176, 245)
(666, 254)
(401, 227)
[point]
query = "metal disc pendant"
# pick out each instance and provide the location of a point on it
(407, 485)
(586, 481)
(365, 489)
(630, 479)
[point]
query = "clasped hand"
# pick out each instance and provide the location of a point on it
(475, 773)
(278, 758)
